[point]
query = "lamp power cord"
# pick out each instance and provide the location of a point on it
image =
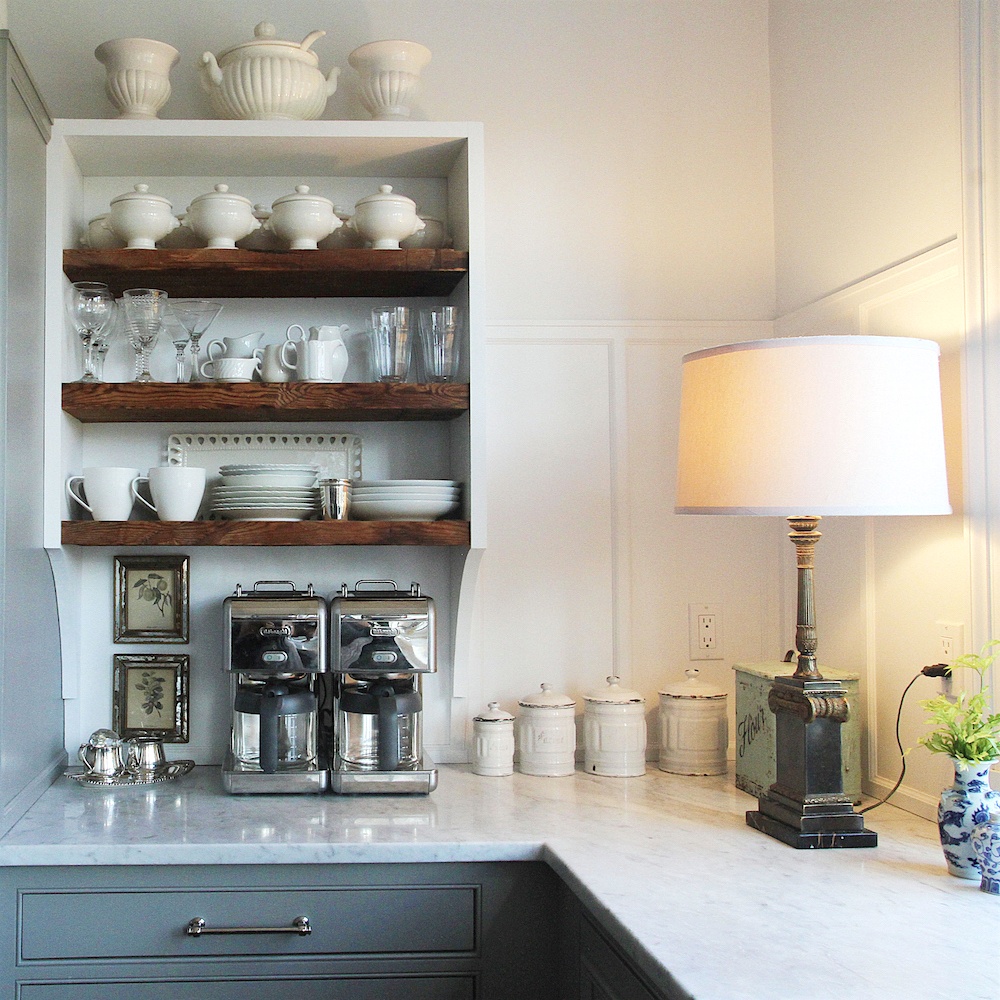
(931, 670)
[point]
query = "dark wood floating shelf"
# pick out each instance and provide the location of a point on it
(185, 533)
(203, 273)
(167, 402)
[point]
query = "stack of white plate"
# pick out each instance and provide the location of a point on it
(266, 493)
(404, 499)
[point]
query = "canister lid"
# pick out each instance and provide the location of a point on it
(547, 698)
(140, 192)
(494, 713)
(693, 687)
(614, 694)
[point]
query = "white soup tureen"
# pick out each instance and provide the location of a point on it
(268, 79)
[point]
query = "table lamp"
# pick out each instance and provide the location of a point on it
(805, 427)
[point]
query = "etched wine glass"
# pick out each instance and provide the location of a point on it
(144, 309)
(91, 307)
(197, 315)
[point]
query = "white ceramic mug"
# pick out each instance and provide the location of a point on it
(315, 360)
(231, 369)
(177, 491)
(108, 491)
(272, 367)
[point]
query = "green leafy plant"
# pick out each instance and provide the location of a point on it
(963, 727)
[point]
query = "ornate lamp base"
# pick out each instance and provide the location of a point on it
(806, 806)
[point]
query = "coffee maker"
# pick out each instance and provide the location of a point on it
(276, 652)
(383, 642)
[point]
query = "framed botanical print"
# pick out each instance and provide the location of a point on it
(151, 599)
(151, 696)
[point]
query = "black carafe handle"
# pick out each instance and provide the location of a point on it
(388, 727)
(270, 702)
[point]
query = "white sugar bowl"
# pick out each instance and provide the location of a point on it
(141, 218)
(220, 218)
(493, 742)
(614, 731)
(694, 727)
(268, 79)
(99, 236)
(546, 733)
(302, 219)
(385, 218)
(433, 236)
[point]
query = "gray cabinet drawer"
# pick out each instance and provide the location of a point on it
(396, 988)
(605, 974)
(153, 923)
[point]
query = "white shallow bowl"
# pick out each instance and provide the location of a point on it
(286, 479)
(400, 510)
(445, 497)
(265, 492)
(362, 483)
(262, 467)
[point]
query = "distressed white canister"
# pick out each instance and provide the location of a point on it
(546, 733)
(614, 731)
(493, 741)
(694, 729)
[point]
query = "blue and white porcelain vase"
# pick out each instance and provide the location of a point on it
(963, 806)
(986, 843)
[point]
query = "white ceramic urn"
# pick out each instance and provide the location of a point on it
(220, 218)
(383, 219)
(141, 218)
(302, 219)
(389, 74)
(694, 728)
(268, 79)
(138, 75)
(614, 731)
(493, 742)
(546, 733)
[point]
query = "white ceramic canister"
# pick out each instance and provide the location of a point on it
(493, 742)
(546, 733)
(694, 728)
(614, 731)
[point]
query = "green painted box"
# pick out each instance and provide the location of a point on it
(755, 759)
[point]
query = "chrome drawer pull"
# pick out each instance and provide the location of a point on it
(198, 926)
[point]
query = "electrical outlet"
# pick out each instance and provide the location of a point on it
(705, 632)
(951, 640)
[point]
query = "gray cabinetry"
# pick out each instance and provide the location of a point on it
(420, 931)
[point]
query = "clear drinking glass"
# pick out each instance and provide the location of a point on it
(390, 344)
(439, 343)
(197, 315)
(91, 308)
(144, 310)
(180, 336)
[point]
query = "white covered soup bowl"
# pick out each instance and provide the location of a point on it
(140, 218)
(220, 218)
(268, 79)
(302, 219)
(385, 218)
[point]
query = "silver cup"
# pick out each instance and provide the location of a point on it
(335, 499)
(145, 754)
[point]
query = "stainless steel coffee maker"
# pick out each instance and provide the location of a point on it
(276, 650)
(383, 642)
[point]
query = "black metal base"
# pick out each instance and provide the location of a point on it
(803, 840)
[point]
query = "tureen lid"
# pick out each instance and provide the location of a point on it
(693, 687)
(494, 713)
(264, 38)
(547, 698)
(141, 192)
(385, 194)
(221, 191)
(614, 694)
(301, 193)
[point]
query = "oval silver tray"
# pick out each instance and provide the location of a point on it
(173, 769)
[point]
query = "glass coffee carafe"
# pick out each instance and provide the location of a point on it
(274, 724)
(378, 723)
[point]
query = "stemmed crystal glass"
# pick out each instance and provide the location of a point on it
(197, 316)
(91, 307)
(144, 310)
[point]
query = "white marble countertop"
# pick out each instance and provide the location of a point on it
(666, 862)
